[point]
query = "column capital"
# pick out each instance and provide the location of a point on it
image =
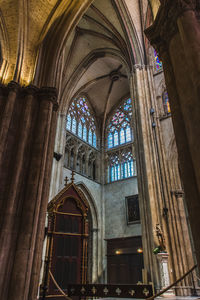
(49, 94)
(30, 90)
(13, 86)
(165, 25)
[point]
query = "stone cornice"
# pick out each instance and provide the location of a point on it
(165, 24)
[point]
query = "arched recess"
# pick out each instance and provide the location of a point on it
(70, 222)
(95, 260)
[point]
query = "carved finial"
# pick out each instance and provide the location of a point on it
(72, 178)
(66, 180)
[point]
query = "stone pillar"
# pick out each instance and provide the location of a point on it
(147, 172)
(163, 262)
(176, 36)
(95, 255)
(28, 123)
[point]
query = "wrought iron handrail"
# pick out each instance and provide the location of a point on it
(58, 287)
(171, 285)
(150, 298)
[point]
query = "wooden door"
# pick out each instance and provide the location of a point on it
(68, 246)
(124, 264)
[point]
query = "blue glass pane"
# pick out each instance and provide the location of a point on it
(116, 139)
(94, 140)
(80, 127)
(117, 172)
(125, 170)
(112, 174)
(74, 125)
(158, 63)
(84, 133)
(90, 137)
(122, 171)
(128, 134)
(122, 136)
(69, 120)
(129, 169)
(110, 140)
(167, 109)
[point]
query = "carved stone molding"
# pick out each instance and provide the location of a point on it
(49, 94)
(142, 67)
(165, 24)
(178, 193)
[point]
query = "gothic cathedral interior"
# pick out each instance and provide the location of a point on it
(99, 147)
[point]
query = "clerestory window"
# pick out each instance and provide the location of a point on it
(121, 163)
(119, 129)
(166, 106)
(81, 122)
(157, 62)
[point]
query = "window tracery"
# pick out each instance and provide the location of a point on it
(81, 122)
(81, 157)
(119, 128)
(120, 162)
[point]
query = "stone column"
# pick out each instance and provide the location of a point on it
(94, 255)
(163, 262)
(176, 36)
(147, 172)
(27, 152)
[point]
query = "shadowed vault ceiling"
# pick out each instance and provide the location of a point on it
(97, 60)
(25, 25)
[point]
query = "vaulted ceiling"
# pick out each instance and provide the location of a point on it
(98, 59)
(24, 26)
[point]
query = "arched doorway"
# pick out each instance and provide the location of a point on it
(70, 235)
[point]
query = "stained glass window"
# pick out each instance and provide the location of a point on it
(116, 138)
(81, 122)
(80, 127)
(74, 125)
(158, 63)
(119, 128)
(122, 136)
(121, 166)
(166, 105)
(94, 139)
(84, 133)
(110, 140)
(69, 120)
(90, 137)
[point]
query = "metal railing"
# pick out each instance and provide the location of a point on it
(132, 290)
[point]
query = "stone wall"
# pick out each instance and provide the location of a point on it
(115, 209)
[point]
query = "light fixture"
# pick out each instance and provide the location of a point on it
(117, 252)
(139, 250)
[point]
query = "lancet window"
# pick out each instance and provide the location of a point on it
(81, 122)
(119, 130)
(157, 62)
(166, 105)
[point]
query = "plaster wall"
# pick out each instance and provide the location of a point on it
(115, 209)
